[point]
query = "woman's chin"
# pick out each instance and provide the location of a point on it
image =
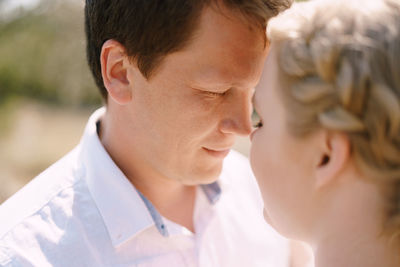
(268, 219)
(281, 229)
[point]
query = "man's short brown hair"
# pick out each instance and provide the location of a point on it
(151, 29)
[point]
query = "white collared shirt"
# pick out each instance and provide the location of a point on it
(83, 211)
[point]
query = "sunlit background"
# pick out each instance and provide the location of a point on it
(46, 90)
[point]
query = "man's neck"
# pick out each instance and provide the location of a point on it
(172, 199)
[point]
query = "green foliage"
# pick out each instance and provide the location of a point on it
(42, 56)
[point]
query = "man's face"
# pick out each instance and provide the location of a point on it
(184, 119)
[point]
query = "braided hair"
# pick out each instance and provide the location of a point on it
(341, 65)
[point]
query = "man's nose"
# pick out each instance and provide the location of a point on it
(237, 115)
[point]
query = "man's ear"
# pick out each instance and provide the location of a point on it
(114, 69)
(333, 157)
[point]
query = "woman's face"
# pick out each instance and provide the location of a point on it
(282, 163)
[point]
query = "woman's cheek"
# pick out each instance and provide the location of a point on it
(253, 154)
(256, 161)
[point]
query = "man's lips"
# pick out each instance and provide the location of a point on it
(218, 153)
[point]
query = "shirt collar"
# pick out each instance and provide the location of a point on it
(125, 211)
(212, 192)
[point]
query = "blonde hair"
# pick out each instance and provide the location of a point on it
(341, 62)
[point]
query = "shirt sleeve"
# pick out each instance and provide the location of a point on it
(5, 259)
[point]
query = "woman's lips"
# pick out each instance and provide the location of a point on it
(217, 153)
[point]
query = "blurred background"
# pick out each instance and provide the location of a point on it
(46, 90)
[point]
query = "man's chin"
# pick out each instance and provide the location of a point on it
(205, 177)
(202, 180)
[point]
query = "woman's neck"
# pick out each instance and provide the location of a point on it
(350, 229)
(350, 250)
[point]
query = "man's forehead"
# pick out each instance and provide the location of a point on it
(225, 77)
(225, 24)
(222, 53)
